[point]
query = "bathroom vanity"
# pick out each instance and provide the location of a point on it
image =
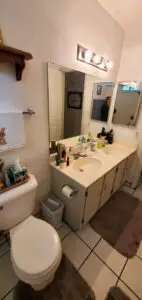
(94, 179)
(75, 109)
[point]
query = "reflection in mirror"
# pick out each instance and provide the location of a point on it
(127, 103)
(102, 94)
(66, 88)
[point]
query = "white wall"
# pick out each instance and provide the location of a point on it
(56, 85)
(50, 29)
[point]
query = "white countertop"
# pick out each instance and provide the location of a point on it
(110, 156)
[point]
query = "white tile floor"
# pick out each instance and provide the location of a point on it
(97, 262)
(100, 265)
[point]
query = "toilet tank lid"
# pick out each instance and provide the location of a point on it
(18, 191)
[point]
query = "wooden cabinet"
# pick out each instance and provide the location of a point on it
(119, 178)
(93, 199)
(129, 173)
(107, 186)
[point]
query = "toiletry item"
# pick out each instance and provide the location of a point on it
(68, 161)
(110, 140)
(57, 160)
(1, 185)
(102, 133)
(12, 175)
(109, 136)
(93, 146)
(59, 149)
(68, 191)
(6, 179)
(17, 166)
(1, 163)
(64, 153)
(99, 144)
(103, 139)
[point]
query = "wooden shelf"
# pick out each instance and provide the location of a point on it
(14, 56)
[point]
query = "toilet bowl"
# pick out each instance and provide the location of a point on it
(35, 252)
(35, 245)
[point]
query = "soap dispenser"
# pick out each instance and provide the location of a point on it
(110, 136)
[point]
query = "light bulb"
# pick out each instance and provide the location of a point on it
(88, 55)
(109, 64)
(97, 59)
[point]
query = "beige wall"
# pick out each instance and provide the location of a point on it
(50, 30)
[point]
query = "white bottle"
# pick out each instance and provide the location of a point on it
(17, 166)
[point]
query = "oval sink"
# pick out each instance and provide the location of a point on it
(85, 163)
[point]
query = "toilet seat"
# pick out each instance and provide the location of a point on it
(35, 248)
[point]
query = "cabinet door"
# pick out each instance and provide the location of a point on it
(107, 186)
(93, 199)
(130, 168)
(119, 176)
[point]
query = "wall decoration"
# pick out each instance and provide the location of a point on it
(74, 100)
(99, 89)
(12, 133)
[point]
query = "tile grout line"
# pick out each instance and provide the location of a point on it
(138, 257)
(84, 260)
(4, 253)
(130, 289)
(122, 271)
(106, 264)
(97, 243)
(86, 243)
(65, 236)
(8, 292)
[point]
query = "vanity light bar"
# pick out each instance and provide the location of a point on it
(93, 59)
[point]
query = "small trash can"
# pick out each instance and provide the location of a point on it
(52, 210)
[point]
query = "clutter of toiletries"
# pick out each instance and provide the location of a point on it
(11, 175)
(64, 155)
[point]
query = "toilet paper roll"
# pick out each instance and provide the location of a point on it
(67, 191)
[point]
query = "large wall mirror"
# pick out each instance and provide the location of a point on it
(127, 103)
(75, 100)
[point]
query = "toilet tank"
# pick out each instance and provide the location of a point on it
(17, 204)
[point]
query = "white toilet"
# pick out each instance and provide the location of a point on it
(35, 245)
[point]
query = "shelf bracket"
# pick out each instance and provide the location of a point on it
(19, 67)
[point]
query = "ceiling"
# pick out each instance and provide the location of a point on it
(128, 13)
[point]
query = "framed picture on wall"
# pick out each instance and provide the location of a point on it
(74, 100)
(99, 89)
